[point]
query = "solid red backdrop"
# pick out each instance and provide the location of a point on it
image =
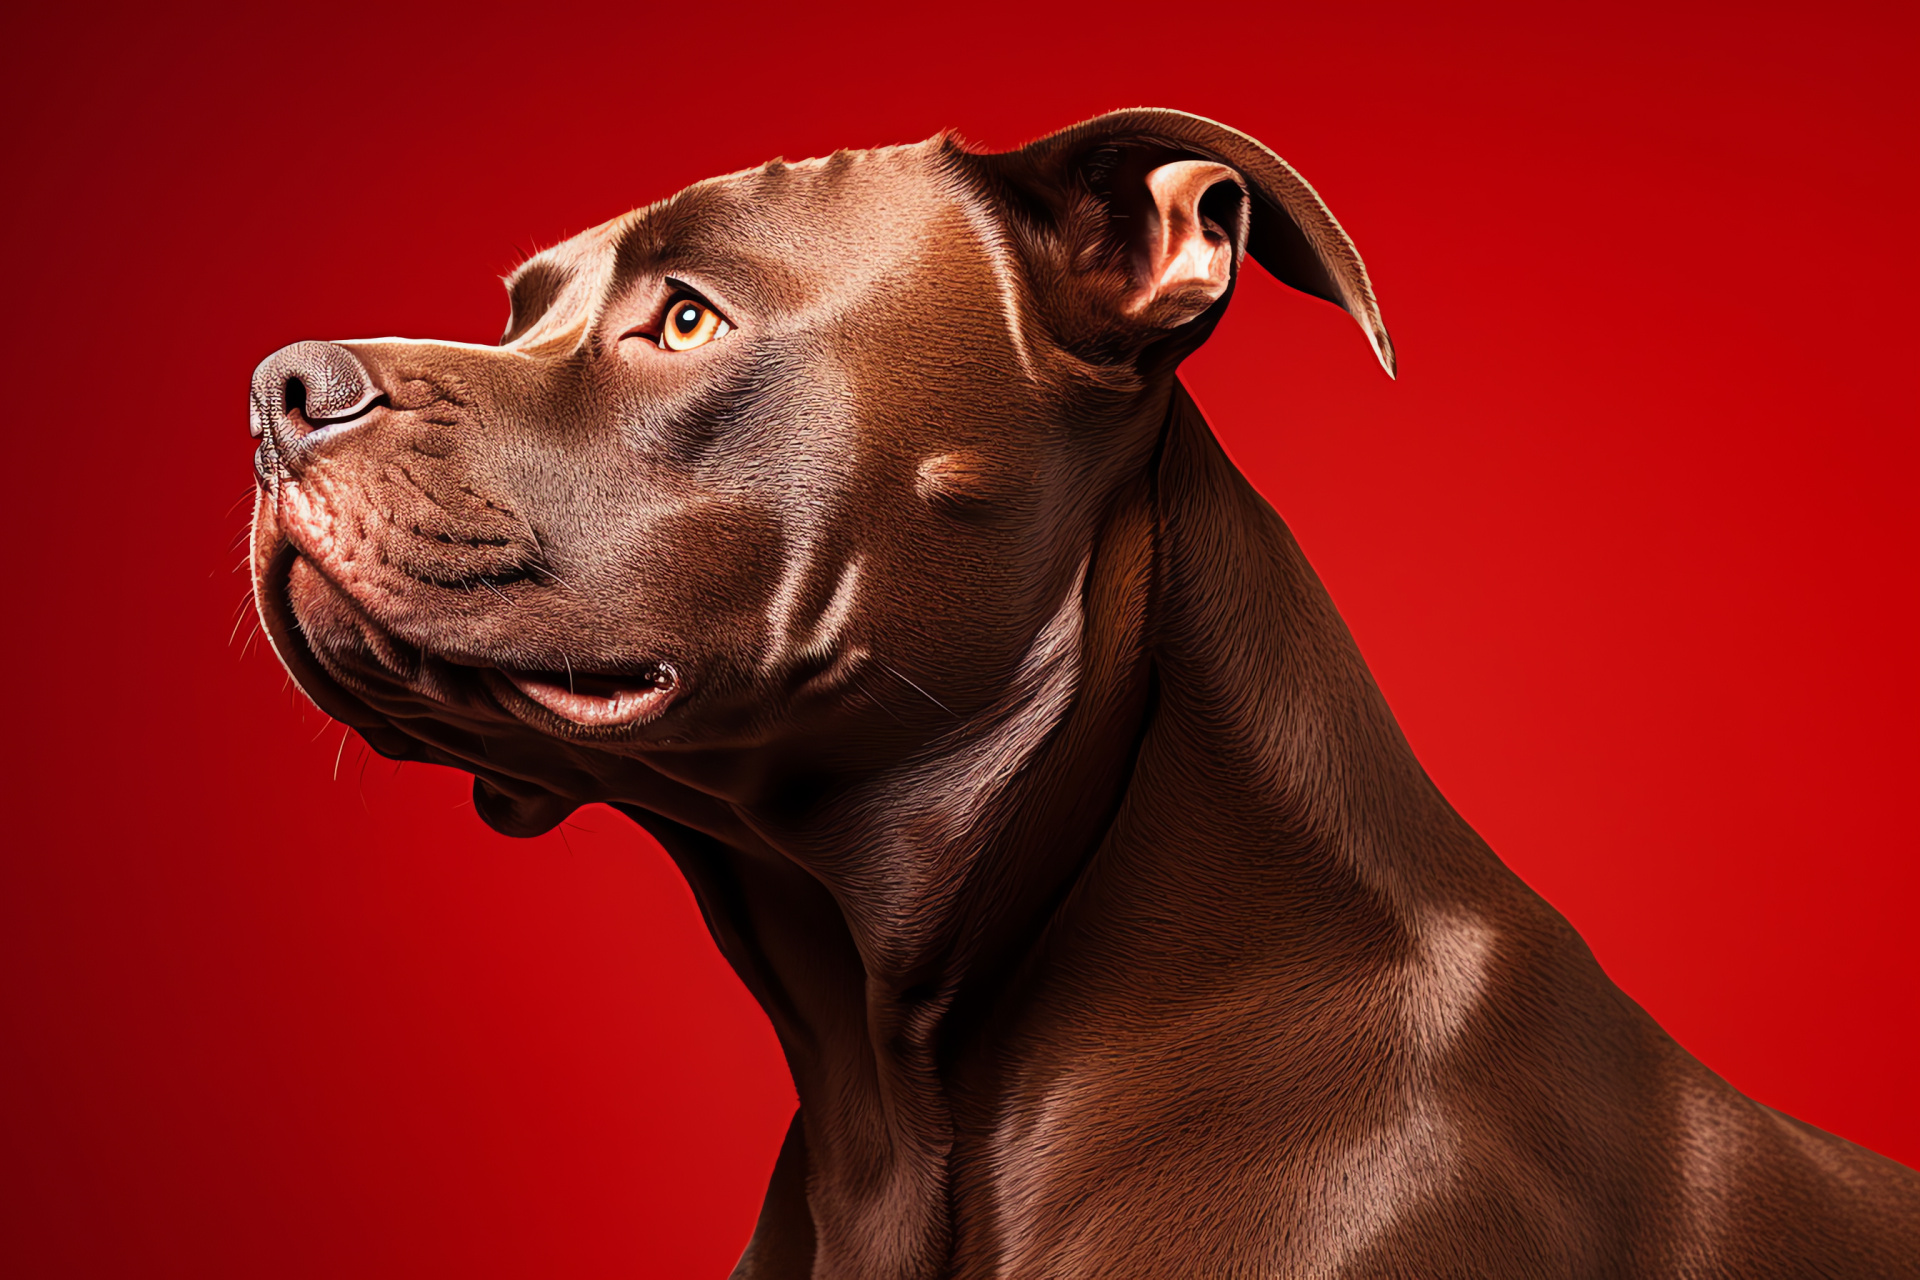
(1629, 546)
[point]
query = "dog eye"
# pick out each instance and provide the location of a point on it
(690, 323)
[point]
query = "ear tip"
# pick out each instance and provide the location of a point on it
(1383, 348)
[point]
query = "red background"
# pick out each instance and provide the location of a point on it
(1630, 547)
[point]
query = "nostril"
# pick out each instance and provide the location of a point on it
(307, 387)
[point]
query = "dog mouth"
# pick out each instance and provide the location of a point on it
(597, 701)
(339, 661)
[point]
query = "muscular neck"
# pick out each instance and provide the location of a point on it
(879, 930)
(910, 926)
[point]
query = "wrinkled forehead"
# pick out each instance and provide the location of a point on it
(783, 239)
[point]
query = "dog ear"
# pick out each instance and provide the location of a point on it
(1183, 241)
(1185, 198)
(523, 812)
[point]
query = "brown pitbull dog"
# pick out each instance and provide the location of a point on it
(844, 524)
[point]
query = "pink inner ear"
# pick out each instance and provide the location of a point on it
(1186, 254)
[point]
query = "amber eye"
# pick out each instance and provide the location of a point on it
(690, 323)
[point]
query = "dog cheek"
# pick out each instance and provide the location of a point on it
(951, 481)
(968, 486)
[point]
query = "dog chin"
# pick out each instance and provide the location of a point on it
(340, 635)
(347, 665)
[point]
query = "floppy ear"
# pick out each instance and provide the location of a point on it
(1167, 181)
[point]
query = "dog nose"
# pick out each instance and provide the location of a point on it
(299, 389)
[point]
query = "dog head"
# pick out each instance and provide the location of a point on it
(799, 460)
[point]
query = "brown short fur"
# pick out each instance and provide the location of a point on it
(1021, 765)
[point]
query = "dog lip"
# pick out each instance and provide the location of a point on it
(619, 706)
(607, 702)
(290, 643)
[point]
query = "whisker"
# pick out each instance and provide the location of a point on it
(239, 617)
(876, 701)
(537, 567)
(542, 564)
(894, 671)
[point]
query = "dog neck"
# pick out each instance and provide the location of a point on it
(878, 926)
(1195, 654)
